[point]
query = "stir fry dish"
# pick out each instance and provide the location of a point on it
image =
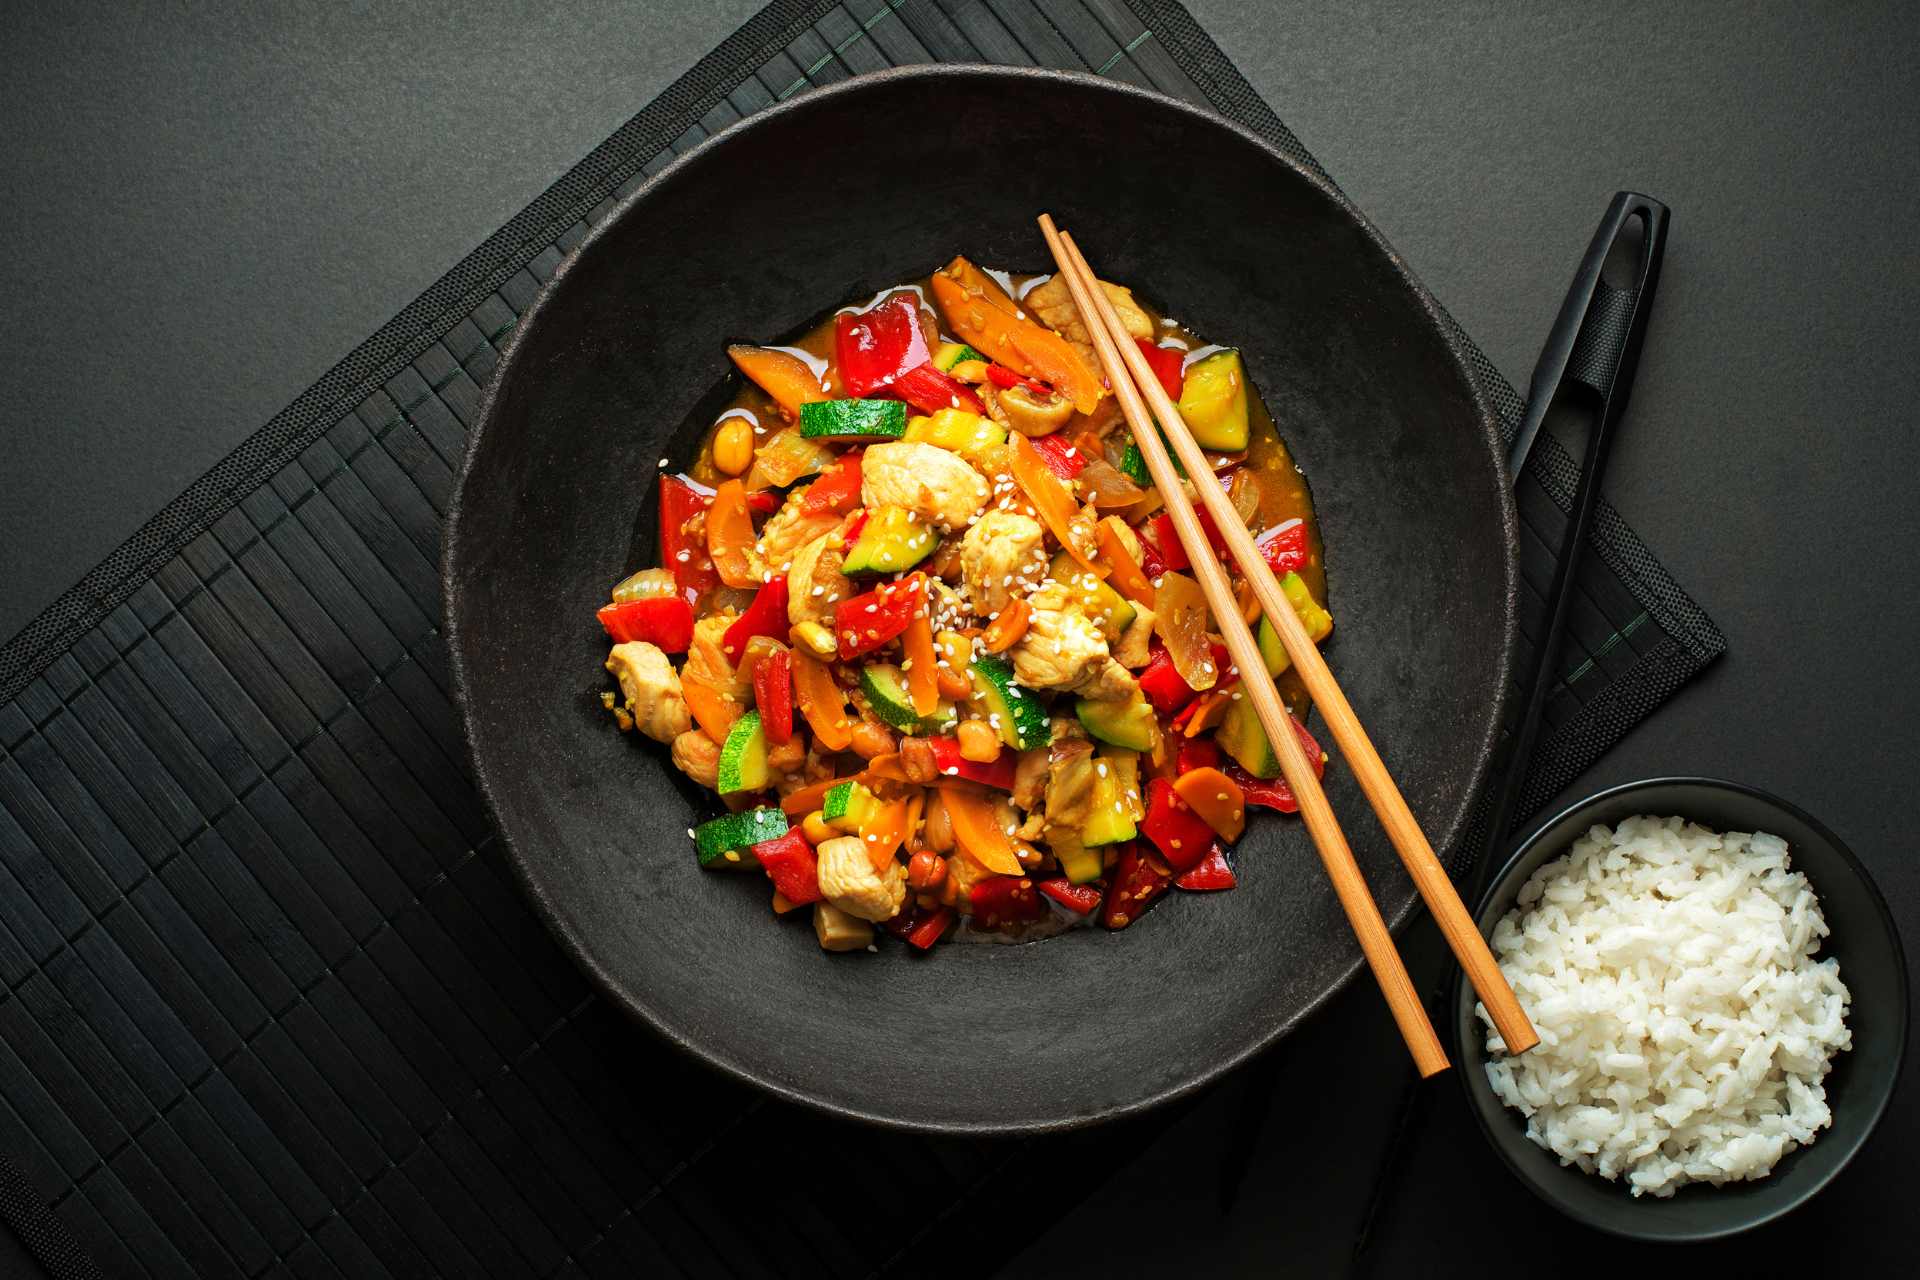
(922, 623)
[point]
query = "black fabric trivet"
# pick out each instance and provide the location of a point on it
(271, 1004)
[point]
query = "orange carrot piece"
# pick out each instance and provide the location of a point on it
(885, 832)
(1007, 629)
(713, 710)
(983, 286)
(1055, 362)
(978, 830)
(1128, 578)
(923, 671)
(821, 702)
(730, 535)
(1050, 497)
(782, 375)
(916, 806)
(1211, 713)
(1217, 799)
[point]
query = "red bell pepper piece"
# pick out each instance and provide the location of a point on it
(878, 345)
(765, 501)
(1166, 540)
(1285, 548)
(1166, 364)
(795, 870)
(1136, 883)
(1162, 684)
(929, 390)
(1197, 753)
(868, 621)
(951, 764)
(1077, 898)
(920, 926)
(1212, 530)
(1211, 872)
(773, 695)
(1060, 456)
(666, 622)
(1150, 562)
(686, 558)
(1007, 900)
(1274, 793)
(837, 489)
(1180, 834)
(766, 616)
(1003, 377)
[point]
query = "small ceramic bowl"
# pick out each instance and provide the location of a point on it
(1859, 1087)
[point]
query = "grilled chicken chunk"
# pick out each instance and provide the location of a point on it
(651, 689)
(815, 583)
(1000, 556)
(927, 480)
(848, 879)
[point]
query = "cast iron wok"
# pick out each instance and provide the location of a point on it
(830, 198)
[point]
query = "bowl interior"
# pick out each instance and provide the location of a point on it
(829, 199)
(1859, 1086)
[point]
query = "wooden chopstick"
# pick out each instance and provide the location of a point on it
(1378, 785)
(1348, 884)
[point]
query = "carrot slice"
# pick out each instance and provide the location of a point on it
(782, 375)
(978, 830)
(730, 535)
(1217, 800)
(923, 671)
(821, 702)
(1127, 577)
(1055, 362)
(1050, 498)
(713, 710)
(884, 832)
(983, 286)
(1007, 629)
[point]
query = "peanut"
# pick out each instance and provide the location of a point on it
(733, 446)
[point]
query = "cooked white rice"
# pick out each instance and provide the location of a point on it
(1684, 1026)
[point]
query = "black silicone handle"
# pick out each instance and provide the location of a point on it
(1596, 341)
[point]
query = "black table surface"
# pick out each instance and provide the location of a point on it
(205, 209)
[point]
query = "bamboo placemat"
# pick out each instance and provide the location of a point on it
(271, 1004)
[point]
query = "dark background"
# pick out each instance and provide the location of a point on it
(206, 205)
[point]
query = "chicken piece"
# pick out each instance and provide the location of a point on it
(1030, 778)
(848, 880)
(707, 659)
(651, 689)
(698, 756)
(927, 480)
(1000, 557)
(1053, 303)
(1062, 650)
(1083, 532)
(1134, 649)
(1033, 827)
(1106, 681)
(1128, 538)
(1064, 726)
(788, 756)
(790, 529)
(815, 583)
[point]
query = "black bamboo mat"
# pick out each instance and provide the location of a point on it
(271, 1004)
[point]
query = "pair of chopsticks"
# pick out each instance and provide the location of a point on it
(1128, 371)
